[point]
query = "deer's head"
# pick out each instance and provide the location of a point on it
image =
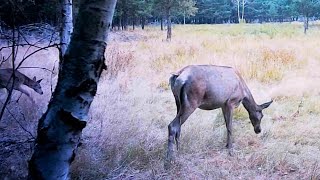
(36, 85)
(256, 116)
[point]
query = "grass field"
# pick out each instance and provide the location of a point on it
(126, 137)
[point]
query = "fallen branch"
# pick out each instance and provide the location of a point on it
(37, 68)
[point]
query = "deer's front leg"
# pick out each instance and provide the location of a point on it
(227, 113)
(26, 93)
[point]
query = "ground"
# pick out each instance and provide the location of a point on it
(126, 136)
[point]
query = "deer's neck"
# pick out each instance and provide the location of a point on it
(26, 81)
(248, 102)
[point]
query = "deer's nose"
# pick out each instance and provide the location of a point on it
(257, 130)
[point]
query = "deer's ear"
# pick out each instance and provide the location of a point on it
(265, 105)
(34, 78)
(39, 81)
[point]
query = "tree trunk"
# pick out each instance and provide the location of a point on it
(66, 25)
(125, 20)
(142, 23)
(306, 24)
(169, 30)
(120, 24)
(184, 18)
(133, 22)
(161, 22)
(238, 2)
(0, 29)
(60, 128)
(242, 18)
(75, 10)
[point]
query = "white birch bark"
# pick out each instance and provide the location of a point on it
(60, 128)
(66, 25)
(242, 18)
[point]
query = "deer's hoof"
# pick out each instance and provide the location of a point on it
(169, 160)
(168, 163)
(231, 152)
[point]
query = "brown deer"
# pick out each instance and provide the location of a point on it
(210, 87)
(20, 79)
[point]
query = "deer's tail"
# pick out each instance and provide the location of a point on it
(175, 90)
(172, 80)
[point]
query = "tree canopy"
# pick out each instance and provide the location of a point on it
(132, 12)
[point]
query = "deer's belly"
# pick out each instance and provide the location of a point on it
(210, 105)
(213, 100)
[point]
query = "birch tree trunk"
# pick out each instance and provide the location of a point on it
(66, 25)
(242, 17)
(60, 128)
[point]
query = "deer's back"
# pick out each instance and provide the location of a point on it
(214, 84)
(6, 75)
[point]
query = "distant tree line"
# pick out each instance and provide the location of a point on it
(226, 11)
(142, 12)
(29, 11)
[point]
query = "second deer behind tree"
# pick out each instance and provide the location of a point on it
(20, 80)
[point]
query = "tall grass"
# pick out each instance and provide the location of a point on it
(270, 57)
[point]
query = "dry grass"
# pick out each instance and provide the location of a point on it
(127, 134)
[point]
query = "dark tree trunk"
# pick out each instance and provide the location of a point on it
(0, 29)
(306, 24)
(142, 23)
(125, 20)
(122, 24)
(59, 129)
(169, 28)
(75, 10)
(161, 22)
(133, 22)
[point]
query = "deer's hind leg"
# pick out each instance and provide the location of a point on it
(176, 98)
(174, 128)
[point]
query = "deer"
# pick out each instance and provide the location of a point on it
(210, 87)
(6, 79)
